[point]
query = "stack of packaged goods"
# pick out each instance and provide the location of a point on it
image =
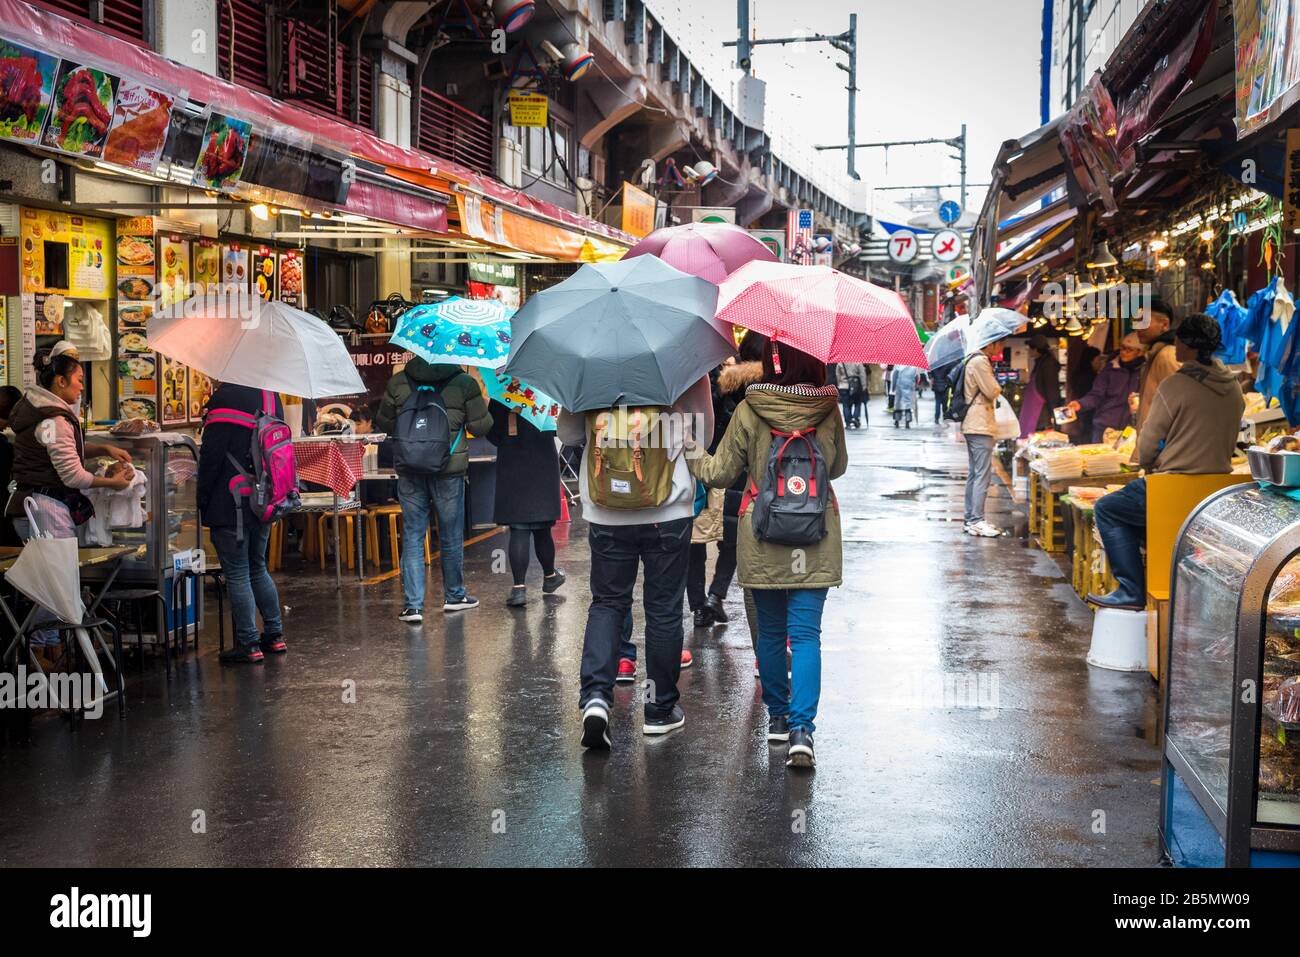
(1058, 464)
(1102, 460)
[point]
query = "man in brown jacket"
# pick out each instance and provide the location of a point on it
(979, 428)
(1191, 429)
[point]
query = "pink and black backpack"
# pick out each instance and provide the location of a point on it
(271, 489)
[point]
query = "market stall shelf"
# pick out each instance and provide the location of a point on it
(1046, 518)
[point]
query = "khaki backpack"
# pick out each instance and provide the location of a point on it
(627, 464)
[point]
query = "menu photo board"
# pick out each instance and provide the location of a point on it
(175, 391)
(174, 273)
(290, 270)
(207, 266)
(137, 365)
(264, 262)
(234, 265)
(68, 254)
(28, 91)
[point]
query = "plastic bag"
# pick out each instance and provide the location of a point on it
(46, 570)
(1005, 421)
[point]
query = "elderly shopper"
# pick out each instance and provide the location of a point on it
(979, 428)
(1191, 428)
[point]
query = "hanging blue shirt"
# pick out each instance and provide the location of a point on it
(1231, 317)
(1268, 337)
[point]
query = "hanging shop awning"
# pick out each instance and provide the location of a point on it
(302, 131)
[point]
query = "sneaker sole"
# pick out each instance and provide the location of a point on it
(800, 756)
(459, 607)
(653, 729)
(625, 679)
(687, 664)
(411, 620)
(595, 728)
(778, 737)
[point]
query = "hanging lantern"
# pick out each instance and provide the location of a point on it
(513, 14)
(577, 61)
(1101, 257)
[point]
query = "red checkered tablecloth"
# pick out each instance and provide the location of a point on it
(336, 465)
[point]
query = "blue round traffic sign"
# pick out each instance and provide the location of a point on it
(949, 213)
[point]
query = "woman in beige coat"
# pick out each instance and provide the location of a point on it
(979, 428)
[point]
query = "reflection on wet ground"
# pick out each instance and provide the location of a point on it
(959, 724)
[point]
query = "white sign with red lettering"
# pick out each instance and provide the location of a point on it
(903, 246)
(946, 246)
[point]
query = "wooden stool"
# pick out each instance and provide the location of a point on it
(345, 537)
(394, 515)
(275, 549)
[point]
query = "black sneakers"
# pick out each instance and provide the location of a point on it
(800, 753)
(714, 605)
(665, 724)
(238, 655)
(412, 615)
(518, 597)
(778, 728)
(595, 724)
(552, 582)
(273, 644)
(702, 618)
(465, 601)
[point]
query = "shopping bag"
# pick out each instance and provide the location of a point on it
(1005, 420)
(46, 570)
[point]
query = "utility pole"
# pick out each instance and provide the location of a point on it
(957, 142)
(846, 42)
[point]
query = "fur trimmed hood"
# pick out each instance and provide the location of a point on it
(738, 376)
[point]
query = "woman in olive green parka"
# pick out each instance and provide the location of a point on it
(788, 584)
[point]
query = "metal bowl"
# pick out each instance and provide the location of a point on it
(1276, 468)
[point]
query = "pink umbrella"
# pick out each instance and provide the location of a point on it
(823, 312)
(710, 251)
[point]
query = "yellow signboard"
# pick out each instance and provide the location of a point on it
(67, 254)
(527, 109)
(638, 211)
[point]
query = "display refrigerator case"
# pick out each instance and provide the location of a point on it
(170, 461)
(1230, 781)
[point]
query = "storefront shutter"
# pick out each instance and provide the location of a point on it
(250, 48)
(124, 18)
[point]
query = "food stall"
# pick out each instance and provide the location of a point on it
(1230, 782)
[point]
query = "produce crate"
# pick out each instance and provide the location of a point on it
(1050, 533)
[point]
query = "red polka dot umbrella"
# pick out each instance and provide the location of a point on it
(711, 251)
(823, 312)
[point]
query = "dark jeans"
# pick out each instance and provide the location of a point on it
(1122, 524)
(243, 563)
(852, 405)
(940, 405)
(722, 573)
(616, 552)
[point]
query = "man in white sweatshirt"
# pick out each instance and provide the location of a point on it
(622, 539)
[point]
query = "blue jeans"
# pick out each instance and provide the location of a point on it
(795, 613)
(249, 583)
(421, 495)
(1122, 525)
(979, 449)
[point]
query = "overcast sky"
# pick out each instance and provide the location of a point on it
(924, 68)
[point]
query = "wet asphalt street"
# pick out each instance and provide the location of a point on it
(959, 724)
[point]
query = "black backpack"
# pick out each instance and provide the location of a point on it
(957, 405)
(422, 436)
(790, 505)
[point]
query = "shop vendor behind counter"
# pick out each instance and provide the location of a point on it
(1190, 428)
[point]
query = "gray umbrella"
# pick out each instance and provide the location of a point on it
(635, 332)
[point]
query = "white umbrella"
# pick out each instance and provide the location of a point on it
(991, 325)
(243, 339)
(948, 343)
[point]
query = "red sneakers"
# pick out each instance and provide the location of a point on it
(626, 671)
(687, 660)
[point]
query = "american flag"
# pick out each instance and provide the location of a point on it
(799, 236)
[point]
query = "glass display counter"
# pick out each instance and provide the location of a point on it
(1230, 783)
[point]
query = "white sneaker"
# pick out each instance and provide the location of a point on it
(983, 529)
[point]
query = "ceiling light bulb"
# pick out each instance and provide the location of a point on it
(1158, 245)
(1207, 264)
(1162, 263)
(1181, 262)
(1207, 234)
(260, 211)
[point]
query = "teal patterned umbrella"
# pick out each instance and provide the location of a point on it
(535, 406)
(458, 331)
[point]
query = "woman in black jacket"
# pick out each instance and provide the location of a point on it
(527, 496)
(243, 560)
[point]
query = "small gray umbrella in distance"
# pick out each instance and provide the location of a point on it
(635, 332)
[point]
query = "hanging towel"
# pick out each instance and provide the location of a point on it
(1231, 317)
